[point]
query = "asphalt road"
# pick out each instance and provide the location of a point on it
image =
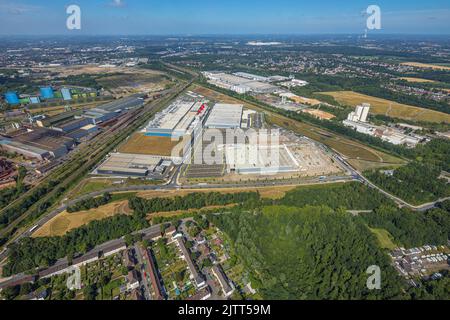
(400, 202)
(143, 284)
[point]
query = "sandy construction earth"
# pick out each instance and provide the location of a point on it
(64, 222)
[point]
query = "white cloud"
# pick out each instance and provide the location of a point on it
(117, 3)
(11, 7)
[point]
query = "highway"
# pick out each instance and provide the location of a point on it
(401, 203)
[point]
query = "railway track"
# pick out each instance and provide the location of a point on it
(89, 155)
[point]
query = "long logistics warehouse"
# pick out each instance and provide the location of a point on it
(176, 120)
(113, 109)
(134, 165)
(225, 116)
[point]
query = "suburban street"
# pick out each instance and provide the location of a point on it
(144, 281)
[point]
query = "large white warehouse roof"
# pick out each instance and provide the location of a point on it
(224, 116)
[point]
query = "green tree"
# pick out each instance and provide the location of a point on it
(90, 292)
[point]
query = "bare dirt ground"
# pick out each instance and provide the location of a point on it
(134, 82)
(319, 114)
(64, 71)
(304, 100)
(389, 108)
(66, 221)
(141, 144)
(425, 65)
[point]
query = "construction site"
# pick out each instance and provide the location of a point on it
(293, 157)
(215, 141)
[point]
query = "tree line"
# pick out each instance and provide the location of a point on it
(351, 196)
(90, 203)
(409, 228)
(9, 194)
(197, 200)
(416, 183)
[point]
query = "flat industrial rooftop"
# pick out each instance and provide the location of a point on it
(225, 115)
(133, 163)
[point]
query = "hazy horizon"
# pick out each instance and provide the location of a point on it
(232, 17)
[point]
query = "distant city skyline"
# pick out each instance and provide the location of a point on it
(197, 17)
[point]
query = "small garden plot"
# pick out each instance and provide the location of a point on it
(173, 270)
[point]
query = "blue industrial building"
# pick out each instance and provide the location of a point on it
(12, 98)
(66, 94)
(34, 100)
(47, 93)
(158, 134)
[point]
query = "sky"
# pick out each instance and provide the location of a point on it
(206, 17)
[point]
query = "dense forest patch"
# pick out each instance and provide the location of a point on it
(309, 253)
(351, 196)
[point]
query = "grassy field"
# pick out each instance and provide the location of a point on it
(362, 165)
(384, 238)
(132, 82)
(349, 148)
(425, 65)
(141, 144)
(303, 100)
(417, 80)
(217, 96)
(65, 221)
(389, 108)
(130, 79)
(90, 185)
